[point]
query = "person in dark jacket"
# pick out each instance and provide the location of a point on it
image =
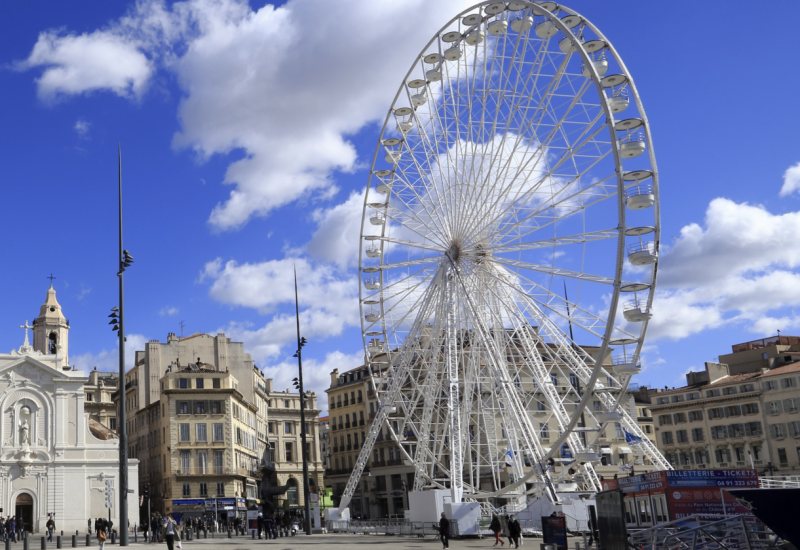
(514, 531)
(51, 526)
(496, 528)
(444, 531)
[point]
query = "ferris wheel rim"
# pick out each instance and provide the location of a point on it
(596, 79)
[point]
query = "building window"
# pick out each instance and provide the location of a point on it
(88, 397)
(723, 456)
(794, 428)
(288, 452)
(271, 452)
(112, 424)
(184, 428)
(218, 436)
(198, 383)
(666, 438)
(200, 407)
(183, 407)
(380, 483)
(203, 490)
(286, 403)
(677, 398)
(730, 390)
(697, 434)
(784, 461)
(187, 492)
(215, 383)
(271, 427)
(216, 407)
(186, 461)
(695, 416)
(201, 432)
(219, 464)
(543, 431)
(220, 489)
(790, 405)
(752, 428)
(778, 431)
(680, 418)
(287, 428)
(785, 384)
(769, 385)
(719, 432)
(744, 388)
(664, 419)
(183, 383)
(774, 407)
(713, 393)
(682, 436)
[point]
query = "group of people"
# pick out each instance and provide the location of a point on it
(270, 525)
(508, 526)
(12, 528)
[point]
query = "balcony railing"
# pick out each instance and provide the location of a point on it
(205, 471)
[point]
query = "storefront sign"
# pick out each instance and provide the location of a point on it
(712, 478)
(188, 502)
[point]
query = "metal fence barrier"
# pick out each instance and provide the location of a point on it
(397, 527)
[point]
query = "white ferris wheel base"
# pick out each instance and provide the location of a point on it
(335, 514)
(429, 505)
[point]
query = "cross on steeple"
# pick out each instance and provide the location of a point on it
(26, 344)
(51, 284)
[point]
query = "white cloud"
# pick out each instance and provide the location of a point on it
(791, 180)
(168, 311)
(108, 360)
(329, 303)
(82, 128)
(316, 374)
(336, 239)
(736, 269)
(76, 64)
(303, 84)
(85, 291)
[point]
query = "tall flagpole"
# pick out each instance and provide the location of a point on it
(121, 425)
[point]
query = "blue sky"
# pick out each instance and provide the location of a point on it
(282, 105)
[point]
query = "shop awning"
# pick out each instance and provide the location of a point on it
(625, 450)
(606, 450)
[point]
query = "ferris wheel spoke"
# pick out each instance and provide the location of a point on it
(553, 270)
(556, 241)
(408, 263)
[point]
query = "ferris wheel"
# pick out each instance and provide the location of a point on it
(509, 250)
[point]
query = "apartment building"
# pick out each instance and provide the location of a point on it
(742, 413)
(285, 447)
(198, 445)
(98, 400)
(642, 397)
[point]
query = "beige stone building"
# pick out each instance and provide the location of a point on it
(198, 444)
(284, 446)
(99, 401)
(743, 412)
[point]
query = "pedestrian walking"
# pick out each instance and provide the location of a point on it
(51, 526)
(101, 532)
(444, 531)
(496, 528)
(170, 532)
(514, 531)
(11, 527)
(89, 525)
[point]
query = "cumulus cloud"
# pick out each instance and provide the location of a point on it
(252, 80)
(316, 373)
(735, 269)
(77, 64)
(791, 180)
(168, 311)
(108, 360)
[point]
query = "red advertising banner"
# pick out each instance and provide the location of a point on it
(706, 501)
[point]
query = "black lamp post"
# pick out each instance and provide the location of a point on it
(298, 383)
(125, 260)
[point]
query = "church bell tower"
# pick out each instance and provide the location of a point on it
(50, 329)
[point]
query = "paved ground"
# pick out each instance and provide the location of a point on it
(337, 540)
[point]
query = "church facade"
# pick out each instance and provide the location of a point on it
(54, 458)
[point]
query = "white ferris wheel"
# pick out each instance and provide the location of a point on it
(512, 212)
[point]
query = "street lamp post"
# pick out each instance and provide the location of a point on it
(125, 260)
(299, 385)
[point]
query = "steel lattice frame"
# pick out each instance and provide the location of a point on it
(500, 184)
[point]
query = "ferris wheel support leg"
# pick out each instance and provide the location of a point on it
(453, 401)
(396, 381)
